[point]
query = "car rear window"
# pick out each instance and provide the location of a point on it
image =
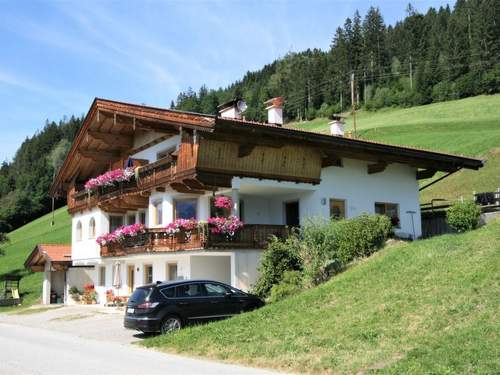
(168, 292)
(140, 295)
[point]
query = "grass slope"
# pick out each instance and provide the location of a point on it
(425, 307)
(23, 240)
(469, 126)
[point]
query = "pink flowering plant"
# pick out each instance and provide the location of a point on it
(227, 226)
(222, 201)
(119, 234)
(109, 178)
(184, 225)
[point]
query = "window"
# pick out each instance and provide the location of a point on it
(115, 222)
(142, 217)
(337, 209)
(102, 276)
(185, 209)
(79, 231)
(389, 209)
(172, 271)
(164, 153)
(158, 212)
(216, 290)
(131, 219)
(92, 228)
(148, 274)
(168, 292)
(189, 290)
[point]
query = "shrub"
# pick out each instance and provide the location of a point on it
(279, 257)
(318, 251)
(327, 247)
(290, 284)
(463, 216)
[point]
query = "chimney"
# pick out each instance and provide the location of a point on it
(337, 126)
(274, 108)
(232, 109)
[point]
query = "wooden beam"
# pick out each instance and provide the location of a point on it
(377, 167)
(161, 189)
(329, 159)
(182, 188)
(117, 140)
(99, 155)
(426, 173)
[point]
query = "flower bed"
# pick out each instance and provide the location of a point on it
(120, 234)
(109, 178)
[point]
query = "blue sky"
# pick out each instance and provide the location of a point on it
(56, 56)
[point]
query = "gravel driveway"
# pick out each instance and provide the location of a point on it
(89, 340)
(92, 322)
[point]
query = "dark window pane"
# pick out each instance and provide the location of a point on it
(190, 290)
(185, 209)
(168, 292)
(216, 290)
(115, 222)
(140, 295)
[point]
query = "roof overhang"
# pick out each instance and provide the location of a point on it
(344, 146)
(58, 255)
(107, 135)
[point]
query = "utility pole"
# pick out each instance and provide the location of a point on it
(353, 103)
(411, 75)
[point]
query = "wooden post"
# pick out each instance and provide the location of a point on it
(353, 104)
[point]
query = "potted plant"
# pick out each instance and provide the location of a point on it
(89, 296)
(225, 227)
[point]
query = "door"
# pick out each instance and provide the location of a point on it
(222, 302)
(292, 214)
(130, 279)
(191, 301)
(171, 271)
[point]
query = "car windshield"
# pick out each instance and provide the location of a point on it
(140, 295)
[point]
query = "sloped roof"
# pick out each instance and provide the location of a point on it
(56, 253)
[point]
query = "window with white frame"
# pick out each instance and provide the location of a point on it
(389, 209)
(92, 228)
(79, 231)
(158, 213)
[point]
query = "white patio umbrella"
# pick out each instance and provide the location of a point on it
(117, 280)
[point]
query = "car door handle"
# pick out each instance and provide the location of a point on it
(214, 301)
(183, 303)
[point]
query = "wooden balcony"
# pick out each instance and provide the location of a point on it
(252, 236)
(149, 176)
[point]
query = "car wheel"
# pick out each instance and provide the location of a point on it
(170, 324)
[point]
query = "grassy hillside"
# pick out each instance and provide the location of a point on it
(23, 240)
(424, 307)
(469, 126)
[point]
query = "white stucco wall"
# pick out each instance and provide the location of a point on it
(210, 267)
(397, 184)
(246, 264)
(87, 251)
(78, 277)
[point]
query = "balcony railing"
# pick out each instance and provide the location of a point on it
(149, 176)
(251, 236)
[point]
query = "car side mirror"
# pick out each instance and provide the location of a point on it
(228, 294)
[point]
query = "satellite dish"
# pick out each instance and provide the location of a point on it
(241, 105)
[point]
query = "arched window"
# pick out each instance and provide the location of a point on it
(79, 231)
(92, 228)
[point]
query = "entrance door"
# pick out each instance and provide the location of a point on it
(130, 279)
(172, 271)
(292, 214)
